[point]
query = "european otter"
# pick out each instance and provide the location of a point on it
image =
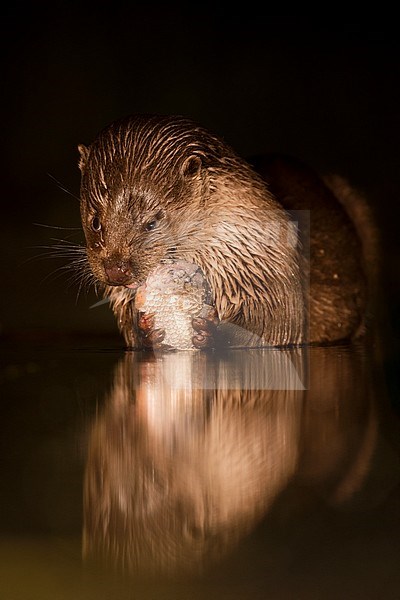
(156, 187)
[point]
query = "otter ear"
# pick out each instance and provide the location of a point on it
(192, 166)
(83, 152)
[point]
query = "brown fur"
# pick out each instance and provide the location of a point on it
(211, 208)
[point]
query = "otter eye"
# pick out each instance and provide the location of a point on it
(96, 224)
(151, 225)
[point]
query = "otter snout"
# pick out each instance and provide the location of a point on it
(118, 271)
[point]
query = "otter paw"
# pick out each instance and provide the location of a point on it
(206, 330)
(150, 337)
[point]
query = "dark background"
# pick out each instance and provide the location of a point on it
(325, 90)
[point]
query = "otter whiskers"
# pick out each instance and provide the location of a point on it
(76, 266)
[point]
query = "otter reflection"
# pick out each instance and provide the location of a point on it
(190, 451)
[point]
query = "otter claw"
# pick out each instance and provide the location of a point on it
(202, 340)
(206, 329)
(150, 337)
(199, 324)
(146, 323)
(153, 339)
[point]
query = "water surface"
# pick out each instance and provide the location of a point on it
(257, 474)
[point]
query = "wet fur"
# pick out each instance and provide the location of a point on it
(212, 208)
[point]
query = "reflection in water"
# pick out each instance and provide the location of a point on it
(190, 451)
(339, 424)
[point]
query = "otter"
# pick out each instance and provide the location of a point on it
(284, 260)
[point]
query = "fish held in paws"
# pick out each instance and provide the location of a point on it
(174, 294)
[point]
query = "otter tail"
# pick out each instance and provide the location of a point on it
(362, 217)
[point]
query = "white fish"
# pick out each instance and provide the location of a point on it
(175, 292)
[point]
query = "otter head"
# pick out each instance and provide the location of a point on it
(138, 178)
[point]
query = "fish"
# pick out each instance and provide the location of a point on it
(174, 293)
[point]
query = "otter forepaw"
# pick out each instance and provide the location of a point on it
(206, 330)
(150, 337)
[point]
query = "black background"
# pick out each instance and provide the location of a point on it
(325, 90)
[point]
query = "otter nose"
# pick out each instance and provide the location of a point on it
(118, 271)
